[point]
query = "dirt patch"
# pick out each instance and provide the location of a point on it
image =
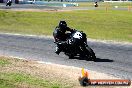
(67, 75)
(130, 36)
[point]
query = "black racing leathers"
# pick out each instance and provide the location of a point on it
(60, 35)
(60, 38)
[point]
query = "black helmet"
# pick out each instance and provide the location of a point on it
(62, 24)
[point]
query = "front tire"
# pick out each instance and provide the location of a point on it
(90, 53)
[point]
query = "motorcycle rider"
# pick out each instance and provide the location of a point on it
(60, 36)
(9, 2)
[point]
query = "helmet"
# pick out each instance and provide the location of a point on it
(62, 24)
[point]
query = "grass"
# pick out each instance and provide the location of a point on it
(15, 80)
(3, 62)
(97, 24)
(13, 76)
(104, 4)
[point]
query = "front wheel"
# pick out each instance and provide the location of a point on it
(90, 53)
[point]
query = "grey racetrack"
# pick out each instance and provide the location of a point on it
(114, 59)
(46, 7)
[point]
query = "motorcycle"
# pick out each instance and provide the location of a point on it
(95, 4)
(77, 46)
(9, 3)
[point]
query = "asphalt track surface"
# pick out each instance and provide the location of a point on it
(53, 8)
(113, 59)
(27, 6)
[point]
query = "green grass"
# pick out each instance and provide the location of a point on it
(97, 24)
(20, 78)
(15, 80)
(3, 62)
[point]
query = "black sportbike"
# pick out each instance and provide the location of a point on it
(77, 46)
